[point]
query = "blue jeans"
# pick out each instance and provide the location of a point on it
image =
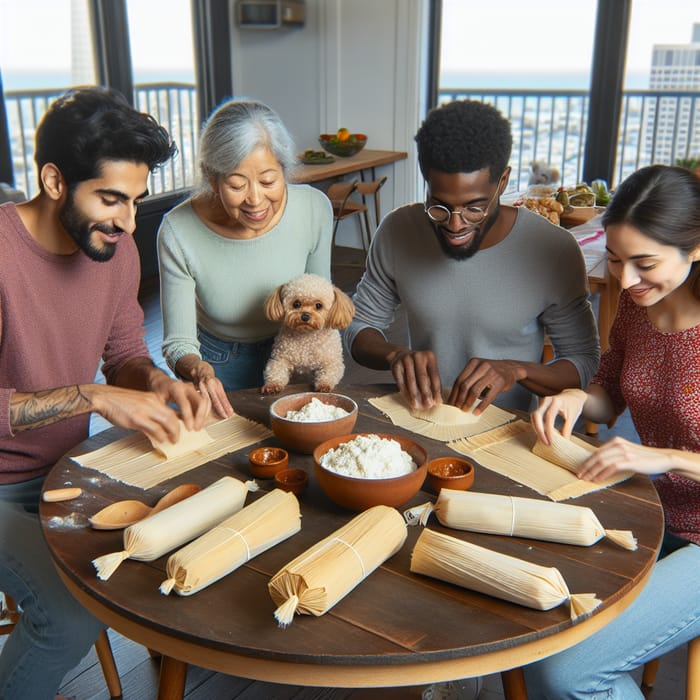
(236, 365)
(665, 615)
(54, 631)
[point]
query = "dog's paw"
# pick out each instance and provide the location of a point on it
(324, 388)
(271, 389)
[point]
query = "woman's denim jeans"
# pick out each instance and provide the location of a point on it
(54, 631)
(665, 615)
(237, 365)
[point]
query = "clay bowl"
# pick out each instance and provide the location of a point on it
(450, 473)
(358, 494)
(265, 462)
(304, 436)
(294, 480)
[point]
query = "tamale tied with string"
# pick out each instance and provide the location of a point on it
(162, 532)
(521, 517)
(259, 526)
(316, 580)
(509, 578)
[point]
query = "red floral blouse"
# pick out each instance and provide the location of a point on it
(657, 375)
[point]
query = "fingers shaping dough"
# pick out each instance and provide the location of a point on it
(188, 441)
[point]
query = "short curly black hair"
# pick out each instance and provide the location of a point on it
(462, 137)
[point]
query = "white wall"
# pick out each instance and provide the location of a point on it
(355, 63)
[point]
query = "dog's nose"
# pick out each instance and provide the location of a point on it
(305, 317)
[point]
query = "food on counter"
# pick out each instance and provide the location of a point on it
(545, 206)
(311, 156)
(580, 196)
(602, 194)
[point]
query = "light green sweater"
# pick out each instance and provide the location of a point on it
(222, 283)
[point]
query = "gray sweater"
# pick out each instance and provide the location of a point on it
(497, 304)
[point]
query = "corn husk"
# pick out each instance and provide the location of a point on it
(188, 441)
(522, 517)
(160, 533)
(563, 452)
(508, 578)
(264, 523)
(317, 579)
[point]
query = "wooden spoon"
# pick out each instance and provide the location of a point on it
(124, 513)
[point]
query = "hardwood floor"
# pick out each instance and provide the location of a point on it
(139, 672)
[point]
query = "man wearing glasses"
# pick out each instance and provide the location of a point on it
(481, 283)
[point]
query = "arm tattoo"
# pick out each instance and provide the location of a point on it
(35, 410)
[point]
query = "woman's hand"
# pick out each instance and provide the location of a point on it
(201, 374)
(569, 405)
(620, 455)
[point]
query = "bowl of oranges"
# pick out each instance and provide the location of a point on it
(343, 143)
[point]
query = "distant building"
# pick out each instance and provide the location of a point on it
(674, 68)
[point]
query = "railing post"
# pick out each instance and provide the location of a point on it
(607, 75)
(6, 172)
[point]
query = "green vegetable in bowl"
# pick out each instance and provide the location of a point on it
(602, 194)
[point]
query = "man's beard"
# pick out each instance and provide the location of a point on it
(468, 251)
(81, 231)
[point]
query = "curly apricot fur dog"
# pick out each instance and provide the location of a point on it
(312, 310)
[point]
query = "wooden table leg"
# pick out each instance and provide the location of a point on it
(514, 684)
(171, 684)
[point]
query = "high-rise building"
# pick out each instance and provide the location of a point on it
(675, 68)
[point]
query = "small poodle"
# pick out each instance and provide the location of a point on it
(312, 310)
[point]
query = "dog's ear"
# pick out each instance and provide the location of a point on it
(274, 305)
(342, 310)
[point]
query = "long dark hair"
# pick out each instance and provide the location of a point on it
(663, 203)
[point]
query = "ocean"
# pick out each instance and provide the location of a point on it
(550, 80)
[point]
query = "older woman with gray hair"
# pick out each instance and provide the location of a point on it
(243, 232)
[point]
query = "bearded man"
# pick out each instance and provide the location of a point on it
(481, 283)
(69, 278)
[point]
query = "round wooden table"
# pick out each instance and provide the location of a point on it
(395, 629)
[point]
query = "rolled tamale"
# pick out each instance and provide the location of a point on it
(480, 569)
(257, 527)
(522, 517)
(160, 533)
(316, 580)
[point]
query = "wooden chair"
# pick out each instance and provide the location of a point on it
(692, 674)
(9, 616)
(340, 194)
(344, 207)
(371, 189)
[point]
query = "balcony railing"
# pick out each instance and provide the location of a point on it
(549, 126)
(174, 106)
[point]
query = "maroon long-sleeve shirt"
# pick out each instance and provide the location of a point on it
(59, 314)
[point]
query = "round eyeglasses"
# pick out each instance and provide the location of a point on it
(470, 215)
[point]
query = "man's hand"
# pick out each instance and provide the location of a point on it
(194, 406)
(145, 411)
(417, 377)
(485, 380)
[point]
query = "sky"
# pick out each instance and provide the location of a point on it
(47, 22)
(503, 35)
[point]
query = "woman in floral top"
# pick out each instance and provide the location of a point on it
(652, 230)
